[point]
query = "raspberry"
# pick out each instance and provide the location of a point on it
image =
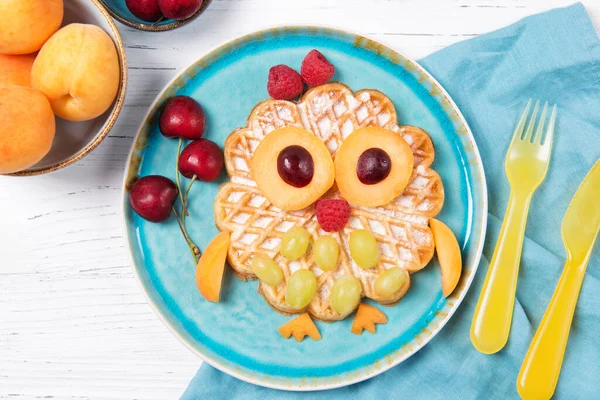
(332, 214)
(284, 83)
(316, 70)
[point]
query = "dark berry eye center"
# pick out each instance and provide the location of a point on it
(373, 166)
(295, 166)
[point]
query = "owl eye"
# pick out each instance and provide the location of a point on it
(295, 166)
(292, 168)
(373, 166)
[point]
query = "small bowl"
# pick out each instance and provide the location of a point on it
(74, 140)
(118, 9)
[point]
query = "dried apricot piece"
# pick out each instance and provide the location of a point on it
(373, 166)
(292, 167)
(209, 272)
(448, 252)
(366, 318)
(299, 327)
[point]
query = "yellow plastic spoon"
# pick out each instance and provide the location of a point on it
(541, 367)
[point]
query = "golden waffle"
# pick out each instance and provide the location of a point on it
(331, 112)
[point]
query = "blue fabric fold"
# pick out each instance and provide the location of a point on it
(554, 57)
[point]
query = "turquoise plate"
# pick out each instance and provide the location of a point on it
(118, 9)
(239, 335)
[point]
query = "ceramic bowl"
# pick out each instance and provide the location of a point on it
(74, 140)
(121, 13)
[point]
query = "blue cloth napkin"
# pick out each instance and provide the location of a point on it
(553, 56)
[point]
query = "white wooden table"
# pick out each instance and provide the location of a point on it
(73, 320)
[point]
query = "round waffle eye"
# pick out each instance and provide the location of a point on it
(370, 176)
(292, 167)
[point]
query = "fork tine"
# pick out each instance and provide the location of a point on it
(531, 123)
(537, 137)
(521, 125)
(550, 131)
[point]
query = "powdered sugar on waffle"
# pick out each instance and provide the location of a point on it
(331, 112)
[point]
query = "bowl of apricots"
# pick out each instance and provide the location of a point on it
(57, 102)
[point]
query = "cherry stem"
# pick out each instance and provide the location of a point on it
(196, 253)
(185, 197)
(184, 210)
(187, 191)
(193, 248)
(162, 18)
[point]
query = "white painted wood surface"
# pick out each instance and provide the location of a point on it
(73, 321)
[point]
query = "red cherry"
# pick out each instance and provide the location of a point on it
(202, 158)
(146, 10)
(152, 197)
(179, 9)
(183, 117)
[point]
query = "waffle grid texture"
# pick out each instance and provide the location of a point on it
(401, 227)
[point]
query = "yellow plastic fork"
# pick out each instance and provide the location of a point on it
(526, 166)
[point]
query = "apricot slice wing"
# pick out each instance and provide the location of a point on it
(300, 327)
(209, 272)
(448, 252)
(366, 318)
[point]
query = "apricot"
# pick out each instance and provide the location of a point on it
(78, 70)
(27, 128)
(448, 252)
(373, 166)
(209, 272)
(27, 24)
(15, 70)
(292, 168)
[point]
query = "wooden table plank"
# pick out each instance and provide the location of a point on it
(74, 323)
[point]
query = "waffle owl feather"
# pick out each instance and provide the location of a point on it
(331, 112)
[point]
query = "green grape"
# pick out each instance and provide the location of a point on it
(326, 252)
(295, 243)
(345, 294)
(267, 270)
(364, 249)
(301, 287)
(388, 283)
